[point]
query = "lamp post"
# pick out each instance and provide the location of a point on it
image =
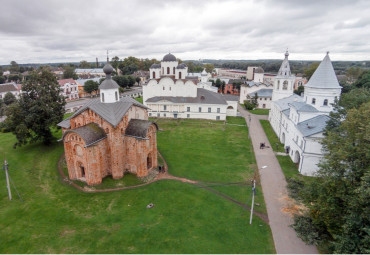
(253, 193)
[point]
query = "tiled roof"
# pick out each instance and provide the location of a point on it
(313, 126)
(7, 87)
(229, 97)
(138, 128)
(324, 77)
(63, 82)
(252, 83)
(112, 112)
(90, 133)
(203, 97)
(89, 70)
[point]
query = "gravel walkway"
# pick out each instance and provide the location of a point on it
(274, 190)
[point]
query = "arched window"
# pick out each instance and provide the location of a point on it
(179, 75)
(116, 96)
(102, 97)
(153, 75)
(163, 88)
(173, 70)
(285, 85)
(162, 70)
(325, 102)
(278, 84)
(168, 70)
(313, 100)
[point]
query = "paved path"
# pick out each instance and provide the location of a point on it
(274, 191)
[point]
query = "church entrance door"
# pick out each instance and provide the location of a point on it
(149, 161)
(82, 169)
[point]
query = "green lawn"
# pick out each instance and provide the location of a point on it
(260, 111)
(139, 99)
(57, 218)
(273, 139)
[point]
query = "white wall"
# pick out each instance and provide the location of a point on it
(109, 95)
(320, 95)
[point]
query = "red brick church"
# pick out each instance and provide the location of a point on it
(109, 136)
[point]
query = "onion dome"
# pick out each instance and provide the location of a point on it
(259, 70)
(108, 83)
(181, 66)
(155, 66)
(169, 58)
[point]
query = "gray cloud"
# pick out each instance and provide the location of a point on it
(55, 31)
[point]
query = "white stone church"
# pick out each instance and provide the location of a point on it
(172, 93)
(299, 122)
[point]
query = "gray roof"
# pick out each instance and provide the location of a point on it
(169, 57)
(90, 133)
(303, 107)
(108, 83)
(89, 70)
(286, 112)
(283, 104)
(181, 66)
(229, 97)
(7, 88)
(262, 93)
(155, 66)
(112, 113)
(313, 126)
(138, 128)
(259, 70)
(252, 83)
(203, 97)
(324, 77)
(82, 81)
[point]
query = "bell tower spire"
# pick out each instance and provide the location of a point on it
(284, 81)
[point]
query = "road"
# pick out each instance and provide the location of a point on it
(274, 191)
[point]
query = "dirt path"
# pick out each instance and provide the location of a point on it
(274, 190)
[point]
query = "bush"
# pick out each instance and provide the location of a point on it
(248, 105)
(295, 186)
(306, 230)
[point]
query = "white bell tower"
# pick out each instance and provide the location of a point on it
(284, 81)
(109, 89)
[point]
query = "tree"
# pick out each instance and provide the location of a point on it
(131, 80)
(14, 77)
(38, 109)
(299, 90)
(115, 63)
(255, 100)
(9, 98)
(218, 83)
(338, 200)
(14, 67)
(84, 64)
(363, 80)
(91, 86)
(138, 80)
(308, 72)
(2, 107)
(121, 80)
(2, 79)
(209, 68)
(69, 73)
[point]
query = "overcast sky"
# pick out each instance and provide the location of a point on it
(59, 31)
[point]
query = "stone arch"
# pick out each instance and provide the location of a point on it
(80, 168)
(149, 160)
(297, 157)
(283, 138)
(285, 85)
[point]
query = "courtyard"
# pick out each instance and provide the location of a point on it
(55, 217)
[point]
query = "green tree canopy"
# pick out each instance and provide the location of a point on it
(299, 90)
(69, 73)
(308, 72)
(9, 98)
(209, 68)
(338, 200)
(14, 67)
(363, 80)
(91, 86)
(2, 79)
(115, 63)
(84, 64)
(38, 109)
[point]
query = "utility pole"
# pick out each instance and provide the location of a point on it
(7, 179)
(254, 191)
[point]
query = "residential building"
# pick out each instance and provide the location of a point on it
(69, 89)
(9, 87)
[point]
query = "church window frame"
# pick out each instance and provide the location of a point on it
(188, 109)
(164, 107)
(153, 75)
(102, 97)
(325, 103)
(179, 75)
(278, 84)
(285, 85)
(116, 94)
(209, 109)
(168, 70)
(200, 109)
(313, 101)
(174, 70)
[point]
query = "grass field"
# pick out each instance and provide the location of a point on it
(57, 218)
(139, 99)
(260, 111)
(273, 139)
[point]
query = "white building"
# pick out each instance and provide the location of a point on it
(299, 122)
(90, 72)
(172, 93)
(9, 87)
(263, 90)
(69, 89)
